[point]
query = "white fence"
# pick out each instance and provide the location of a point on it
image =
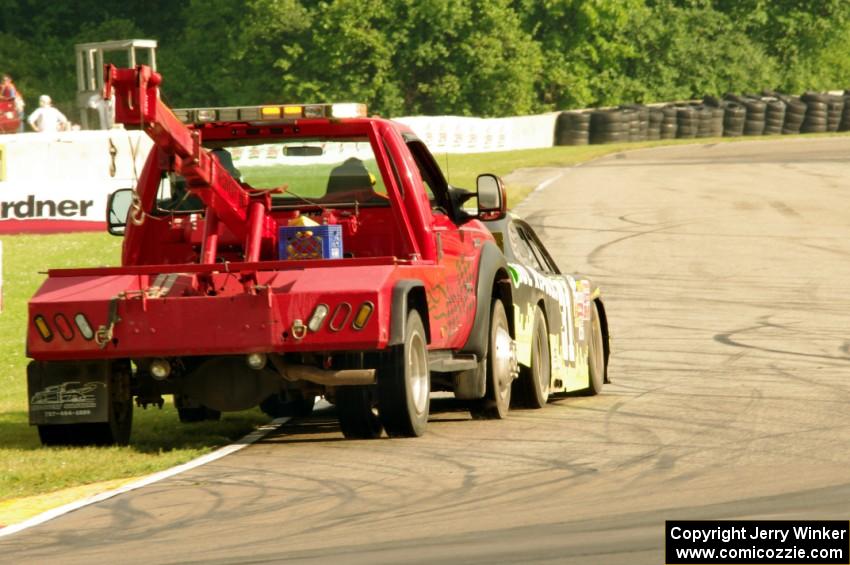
(60, 182)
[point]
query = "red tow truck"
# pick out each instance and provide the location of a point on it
(273, 254)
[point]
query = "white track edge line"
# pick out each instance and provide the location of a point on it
(48, 515)
(547, 182)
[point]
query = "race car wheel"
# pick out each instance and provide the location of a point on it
(595, 355)
(534, 381)
(291, 403)
(497, 399)
(404, 383)
(358, 418)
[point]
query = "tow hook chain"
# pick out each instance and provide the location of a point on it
(103, 335)
(113, 152)
(137, 214)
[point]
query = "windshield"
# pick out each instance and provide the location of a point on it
(296, 171)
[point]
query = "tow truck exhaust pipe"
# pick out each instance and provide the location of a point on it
(327, 377)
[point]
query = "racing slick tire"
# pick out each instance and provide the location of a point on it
(497, 399)
(115, 431)
(355, 406)
(404, 383)
(534, 381)
(595, 355)
(288, 404)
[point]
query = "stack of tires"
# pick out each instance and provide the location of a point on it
(755, 112)
(639, 117)
(844, 124)
(795, 114)
(632, 121)
(572, 128)
(686, 121)
(775, 115)
(734, 116)
(669, 122)
(704, 117)
(608, 126)
(834, 111)
(768, 113)
(715, 106)
(817, 106)
(654, 121)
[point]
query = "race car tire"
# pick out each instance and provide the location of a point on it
(355, 406)
(534, 381)
(292, 404)
(595, 355)
(404, 383)
(497, 399)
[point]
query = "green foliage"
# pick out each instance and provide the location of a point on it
(467, 57)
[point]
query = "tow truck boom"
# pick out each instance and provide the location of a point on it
(244, 213)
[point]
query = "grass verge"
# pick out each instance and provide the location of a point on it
(159, 441)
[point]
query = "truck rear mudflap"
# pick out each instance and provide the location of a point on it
(130, 316)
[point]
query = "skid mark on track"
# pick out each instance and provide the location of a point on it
(594, 259)
(784, 209)
(726, 338)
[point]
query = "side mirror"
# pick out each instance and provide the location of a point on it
(117, 209)
(492, 200)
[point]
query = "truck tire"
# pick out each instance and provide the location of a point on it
(190, 412)
(534, 381)
(291, 403)
(355, 406)
(497, 400)
(404, 383)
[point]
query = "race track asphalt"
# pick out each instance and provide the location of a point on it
(726, 274)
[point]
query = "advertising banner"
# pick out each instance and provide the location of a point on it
(60, 182)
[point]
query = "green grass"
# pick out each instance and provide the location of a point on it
(159, 441)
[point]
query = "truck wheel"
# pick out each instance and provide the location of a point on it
(404, 383)
(595, 355)
(497, 400)
(291, 403)
(355, 406)
(534, 381)
(114, 432)
(191, 412)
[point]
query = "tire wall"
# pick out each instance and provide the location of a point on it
(733, 115)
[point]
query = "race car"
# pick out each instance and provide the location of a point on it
(561, 328)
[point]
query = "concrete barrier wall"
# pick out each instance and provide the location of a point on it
(453, 134)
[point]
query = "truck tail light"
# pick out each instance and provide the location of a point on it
(84, 326)
(340, 316)
(63, 326)
(318, 318)
(362, 316)
(43, 329)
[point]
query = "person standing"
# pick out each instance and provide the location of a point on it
(47, 118)
(9, 91)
